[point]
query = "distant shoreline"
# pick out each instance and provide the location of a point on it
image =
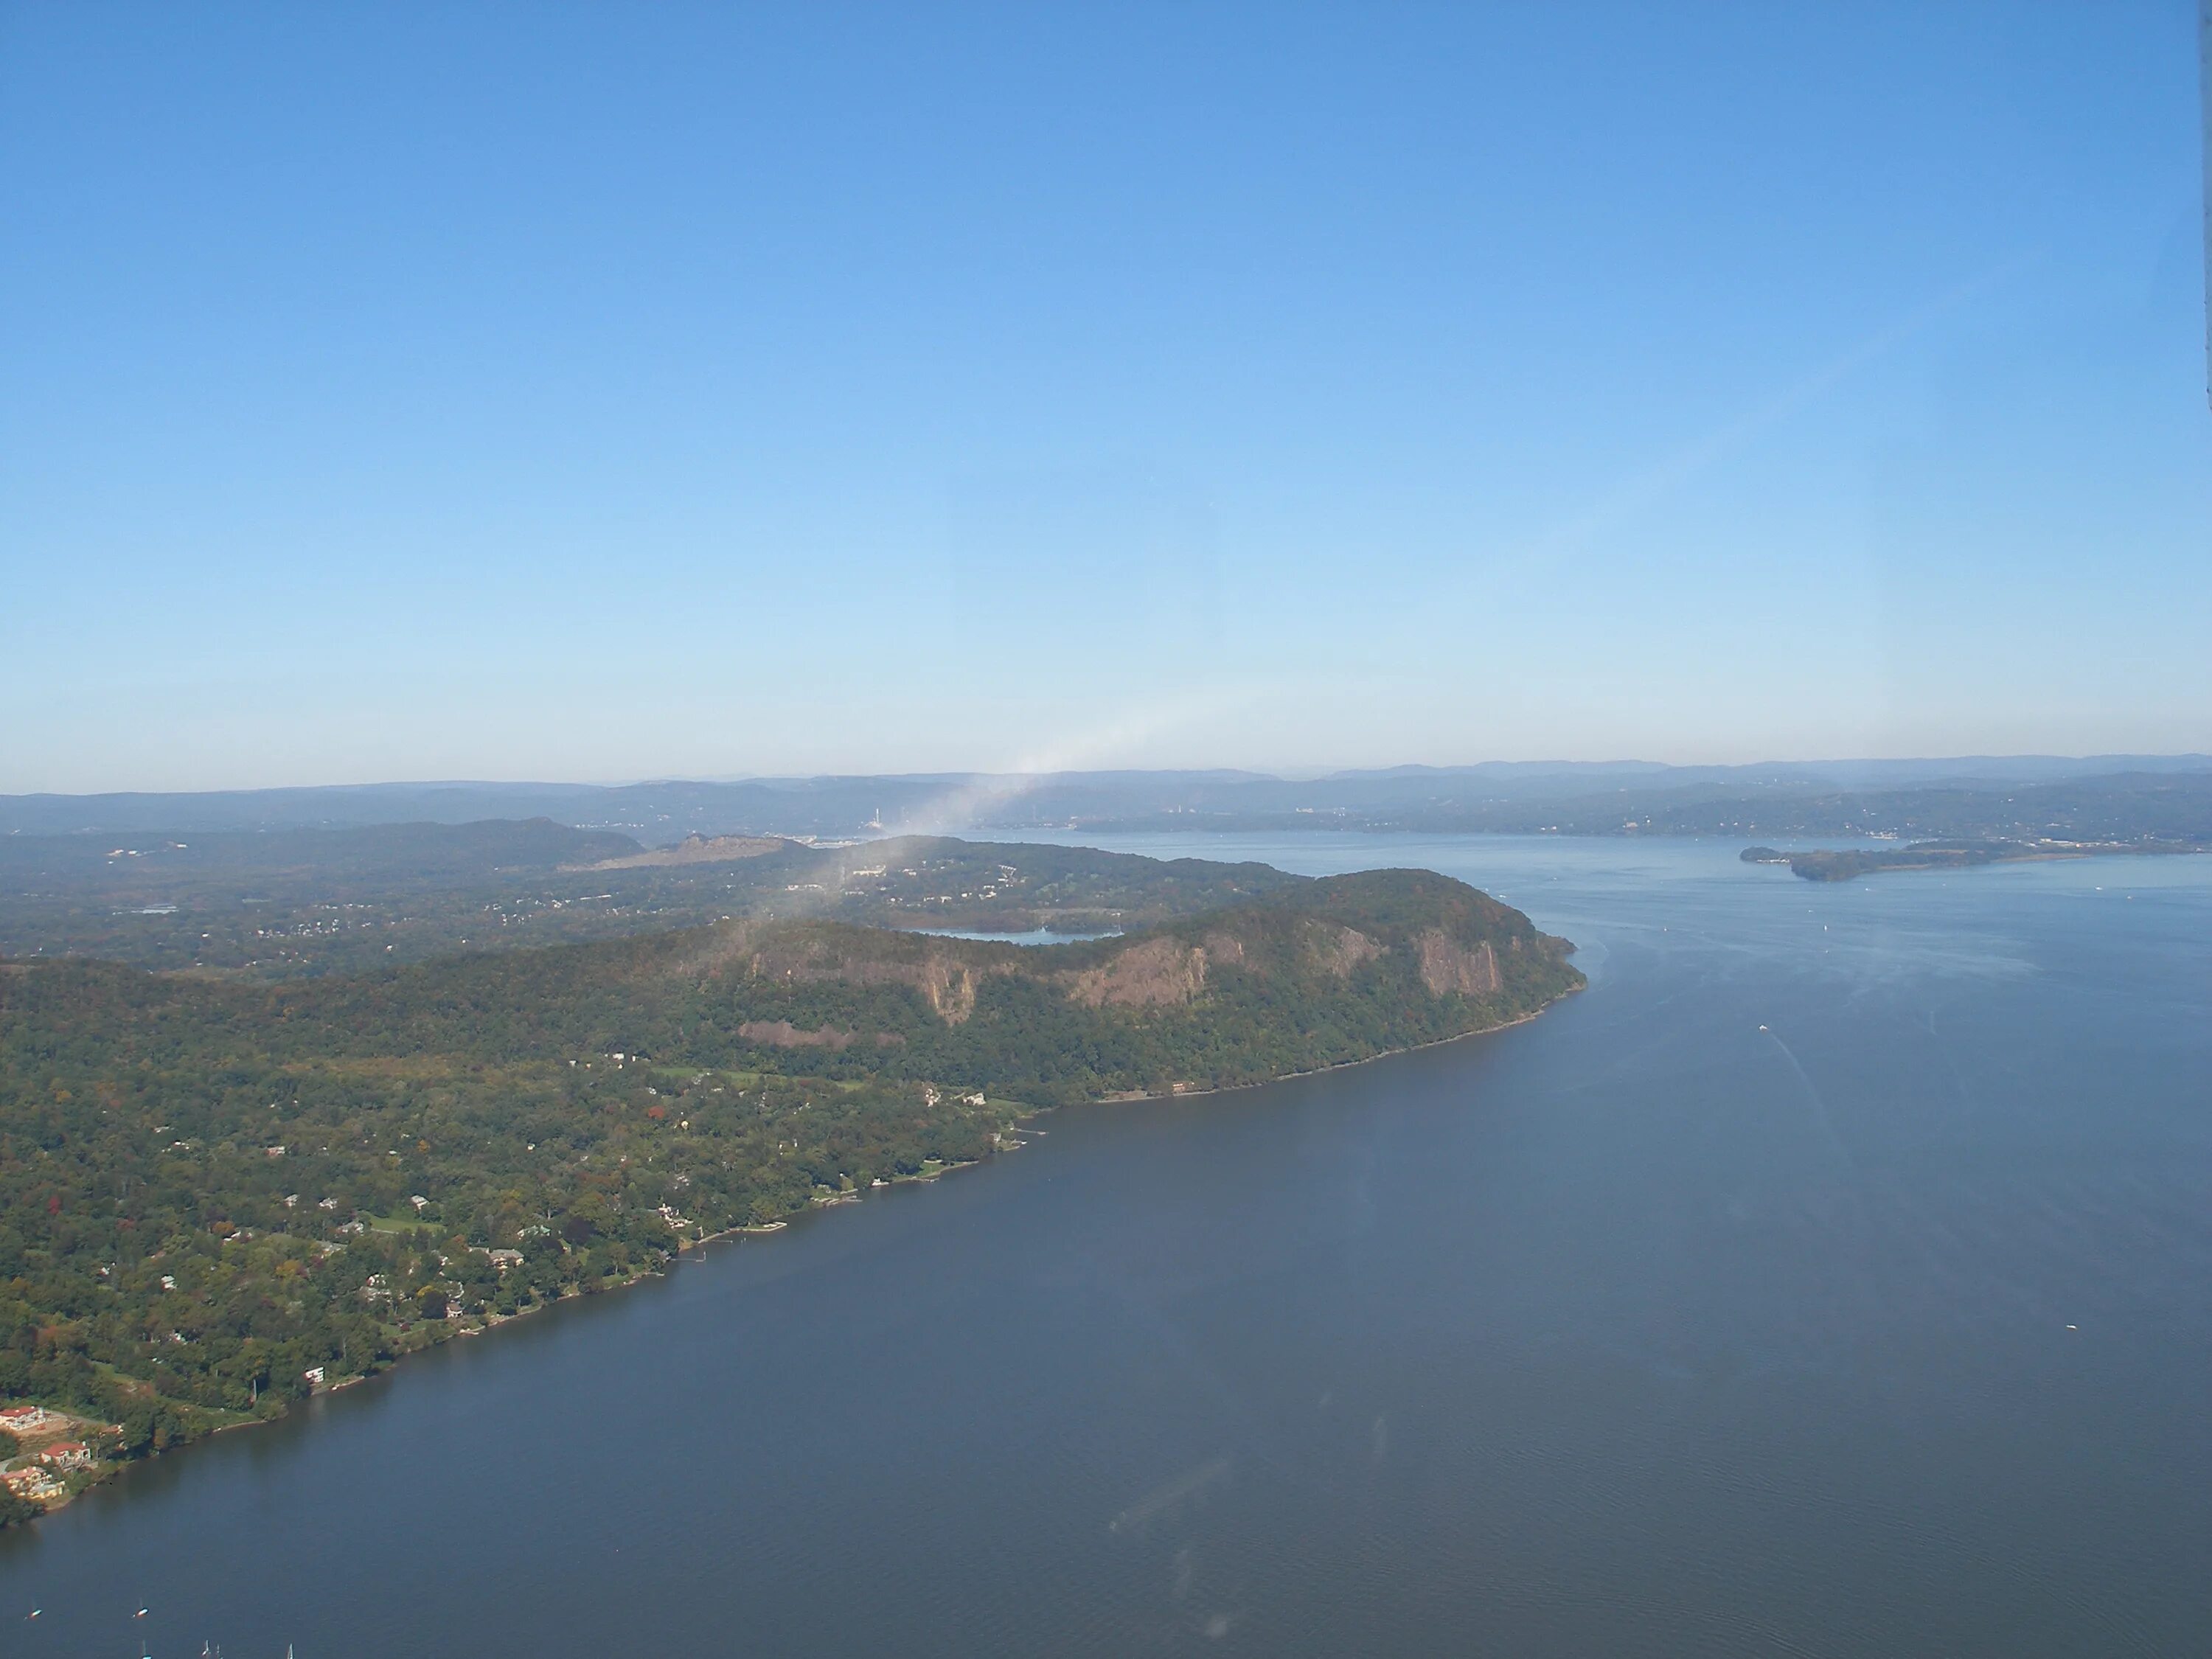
(1831, 864)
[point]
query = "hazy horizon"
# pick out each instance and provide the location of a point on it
(2180, 759)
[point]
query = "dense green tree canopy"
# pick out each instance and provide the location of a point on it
(215, 1192)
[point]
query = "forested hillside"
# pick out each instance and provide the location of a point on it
(211, 1191)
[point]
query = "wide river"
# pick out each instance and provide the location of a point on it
(1834, 1277)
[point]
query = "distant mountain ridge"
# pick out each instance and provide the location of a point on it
(1515, 796)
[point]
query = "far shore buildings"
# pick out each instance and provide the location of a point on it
(25, 1420)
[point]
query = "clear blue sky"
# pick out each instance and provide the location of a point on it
(605, 391)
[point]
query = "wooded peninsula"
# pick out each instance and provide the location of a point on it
(220, 1193)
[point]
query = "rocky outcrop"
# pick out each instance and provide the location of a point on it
(1339, 949)
(1226, 948)
(1450, 970)
(1154, 973)
(843, 956)
(1417, 930)
(948, 987)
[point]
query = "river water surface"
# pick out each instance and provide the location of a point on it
(1832, 1277)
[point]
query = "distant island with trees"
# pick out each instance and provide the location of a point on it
(1845, 864)
(222, 1191)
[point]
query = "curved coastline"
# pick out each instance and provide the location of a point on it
(799, 1064)
(475, 1325)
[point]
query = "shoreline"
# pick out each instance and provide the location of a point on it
(485, 1323)
(1132, 1097)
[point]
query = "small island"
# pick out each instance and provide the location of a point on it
(1845, 864)
(219, 1195)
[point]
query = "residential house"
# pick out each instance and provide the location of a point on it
(34, 1484)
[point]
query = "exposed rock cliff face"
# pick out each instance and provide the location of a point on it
(1154, 973)
(1340, 949)
(948, 987)
(1226, 948)
(1450, 955)
(832, 953)
(1449, 970)
(1398, 943)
